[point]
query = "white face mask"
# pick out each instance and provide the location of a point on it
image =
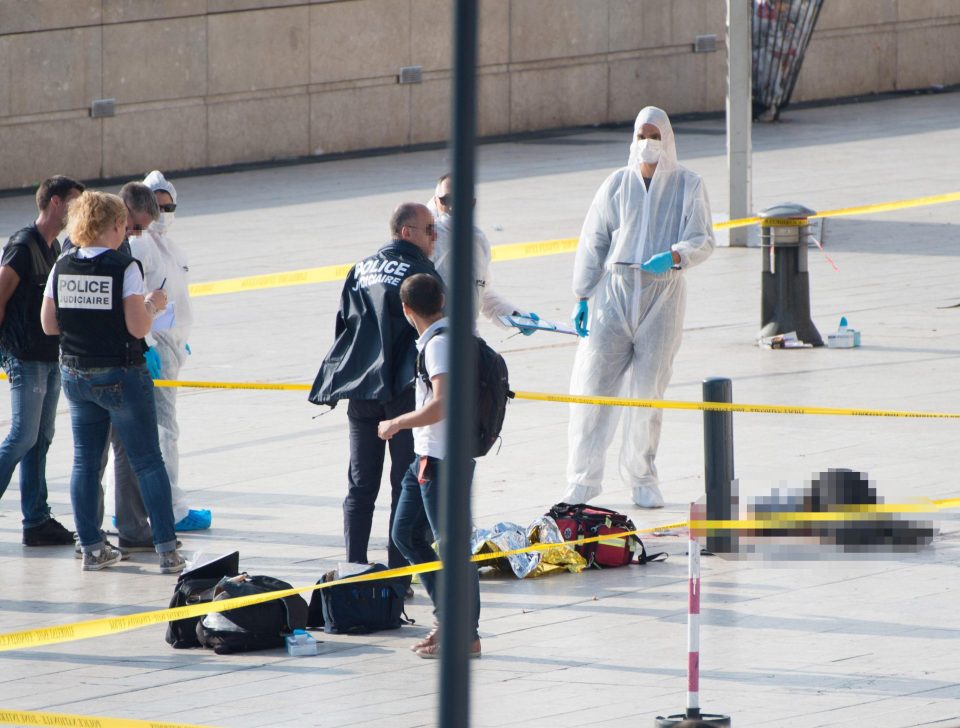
(649, 150)
(166, 218)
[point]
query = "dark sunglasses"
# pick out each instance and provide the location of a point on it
(168, 208)
(446, 200)
(429, 229)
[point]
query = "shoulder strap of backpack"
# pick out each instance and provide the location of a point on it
(645, 558)
(422, 358)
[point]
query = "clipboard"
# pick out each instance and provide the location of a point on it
(539, 324)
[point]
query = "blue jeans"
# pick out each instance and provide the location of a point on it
(34, 393)
(123, 397)
(418, 501)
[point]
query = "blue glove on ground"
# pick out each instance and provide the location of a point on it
(659, 264)
(153, 362)
(527, 330)
(186, 348)
(580, 315)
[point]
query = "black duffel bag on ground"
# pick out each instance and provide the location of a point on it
(256, 627)
(360, 607)
(196, 587)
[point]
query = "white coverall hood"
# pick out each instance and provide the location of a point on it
(157, 182)
(668, 146)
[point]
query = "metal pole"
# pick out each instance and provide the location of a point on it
(739, 114)
(456, 607)
(718, 460)
(693, 628)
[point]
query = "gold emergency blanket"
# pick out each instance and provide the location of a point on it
(509, 536)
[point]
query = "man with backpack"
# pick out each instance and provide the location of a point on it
(422, 300)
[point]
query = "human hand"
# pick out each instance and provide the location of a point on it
(659, 263)
(157, 299)
(580, 316)
(529, 330)
(153, 363)
(387, 429)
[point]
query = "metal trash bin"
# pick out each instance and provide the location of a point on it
(785, 282)
(781, 34)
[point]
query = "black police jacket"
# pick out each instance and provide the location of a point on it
(374, 354)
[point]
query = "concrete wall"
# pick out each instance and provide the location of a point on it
(201, 83)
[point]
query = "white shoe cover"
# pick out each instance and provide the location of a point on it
(580, 494)
(648, 496)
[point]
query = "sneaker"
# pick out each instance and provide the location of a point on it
(139, 547)
(431, 639)
(124, 553)
(49, 533)
(103, 557)
(171, 562)
(432, 652)
(195, 520)
(648, 496)
(577, 493)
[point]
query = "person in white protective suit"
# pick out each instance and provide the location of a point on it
(485, 300)
(648, 222)
(165, 266)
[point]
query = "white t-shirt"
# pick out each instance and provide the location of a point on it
(132, 277)
(430, 440)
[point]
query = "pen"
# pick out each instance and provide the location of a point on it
(163, 284)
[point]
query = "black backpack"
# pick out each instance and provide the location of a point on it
(257, 627)
(360, 607)
(493, 392)
(196, 586)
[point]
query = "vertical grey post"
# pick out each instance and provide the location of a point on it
(739, 113)
(456, 607)
(718, 460)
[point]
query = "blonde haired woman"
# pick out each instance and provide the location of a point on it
(94, 300)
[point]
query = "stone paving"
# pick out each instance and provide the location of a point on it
(791, 645)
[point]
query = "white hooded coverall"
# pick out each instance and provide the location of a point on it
(635, 317)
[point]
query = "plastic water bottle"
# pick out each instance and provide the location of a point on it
(300, 644)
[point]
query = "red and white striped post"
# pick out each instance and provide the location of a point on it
(693, 644)
(693, 629)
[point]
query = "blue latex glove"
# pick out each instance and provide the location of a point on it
(186, 348)
(659, 264)
(580, 315)
(527, 330)
(153, 362)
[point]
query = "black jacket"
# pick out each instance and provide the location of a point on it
(373, 355)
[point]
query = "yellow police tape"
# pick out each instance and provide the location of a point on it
(731, 407)
(64, 720)
(771, 409)
(518, 251)
(111, 625)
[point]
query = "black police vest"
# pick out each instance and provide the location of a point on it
(89, 296)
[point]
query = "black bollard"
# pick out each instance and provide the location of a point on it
(718, 462)
(785, 282)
